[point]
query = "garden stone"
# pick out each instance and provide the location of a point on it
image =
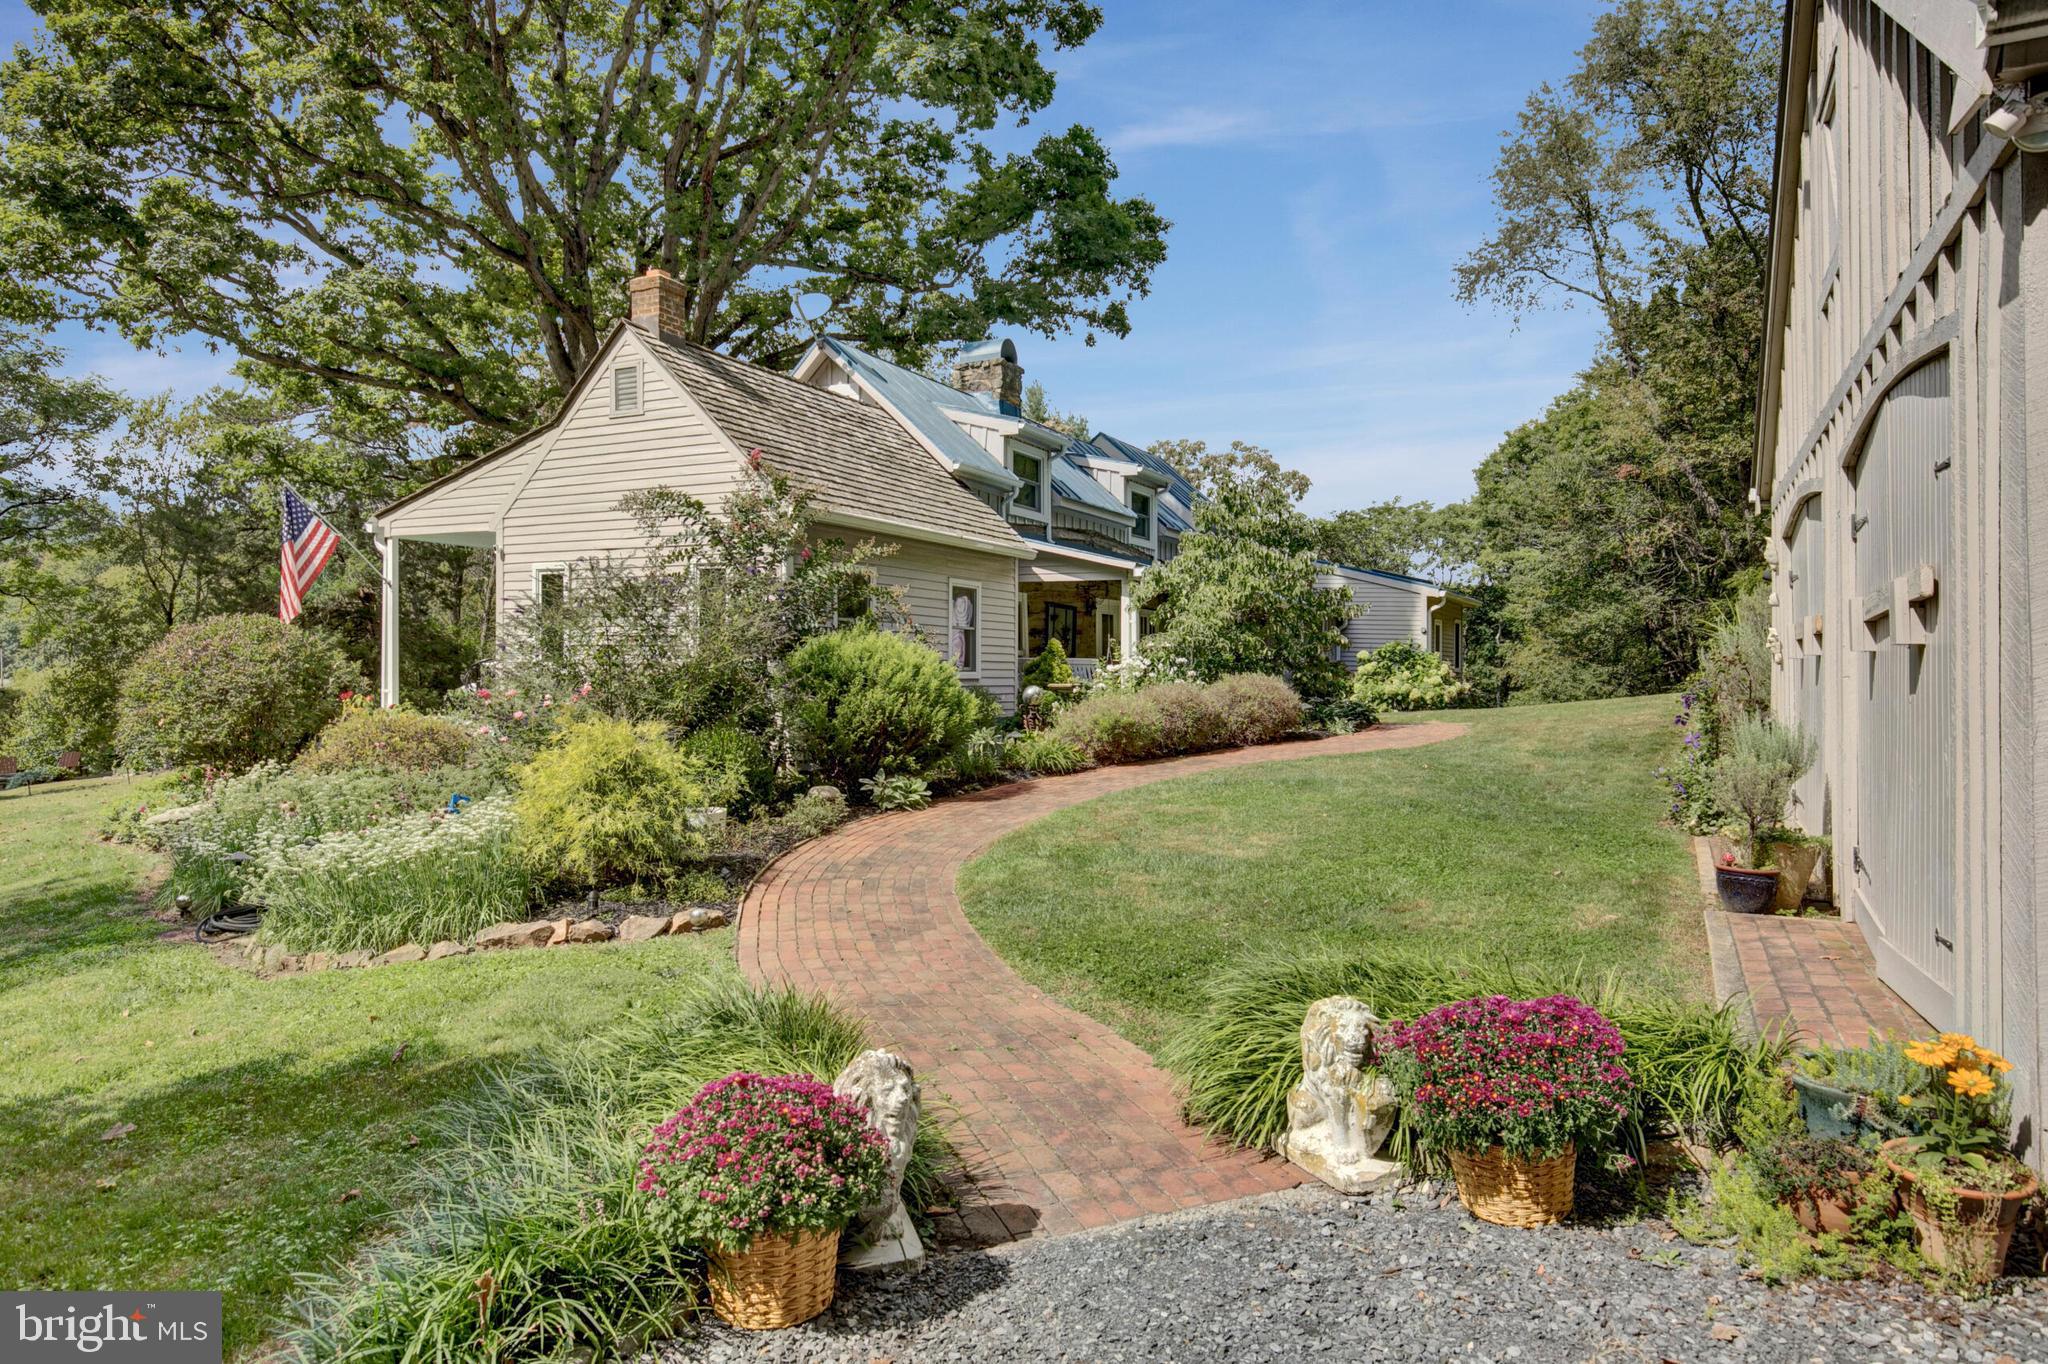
(825, 793)
(699, 918)
(408, 952)
(319, 961)
(533, 933)
(1338, 1117)
(444, 949)
(559, 933)
(590, 930)
(641, 927)
(349, 961)
(882, 1236)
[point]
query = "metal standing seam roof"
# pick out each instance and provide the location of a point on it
(924, 402)
(1138, 454)
(852, 457)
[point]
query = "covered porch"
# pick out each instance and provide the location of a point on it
(386, 543)
(1085, 601)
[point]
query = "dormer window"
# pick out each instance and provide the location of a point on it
(1141, 506)
(1031, 469)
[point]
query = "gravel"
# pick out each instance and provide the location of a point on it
(1307, 1274)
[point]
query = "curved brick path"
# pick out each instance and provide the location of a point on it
(1063, 1123)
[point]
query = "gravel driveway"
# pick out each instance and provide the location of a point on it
(1306, 1274)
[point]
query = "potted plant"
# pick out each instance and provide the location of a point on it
(1753, 779)
(1859, 1093)
(1818, 1179)
(1795, 855)
(1957, 1177)
(764, 1172)
(1509, 1090)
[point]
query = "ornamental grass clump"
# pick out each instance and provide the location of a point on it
(1535, 1077)
(763, 1155)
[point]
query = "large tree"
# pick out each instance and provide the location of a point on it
(47, 422)
(433, 207)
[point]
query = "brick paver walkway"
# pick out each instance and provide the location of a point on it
(1063, 1123)
(1818, 976)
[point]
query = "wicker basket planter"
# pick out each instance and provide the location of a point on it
(1513, 1192)
(778, 1281)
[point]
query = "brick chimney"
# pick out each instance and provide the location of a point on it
(656, 304)
(991, 367)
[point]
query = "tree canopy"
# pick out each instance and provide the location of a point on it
(433, 209)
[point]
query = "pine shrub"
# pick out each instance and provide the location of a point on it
(607, 802)
(867, 703)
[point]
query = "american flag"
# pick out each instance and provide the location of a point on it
(308, 545)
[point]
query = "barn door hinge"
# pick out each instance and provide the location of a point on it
(1941, 465)
(1940, 941)
(1856, 524)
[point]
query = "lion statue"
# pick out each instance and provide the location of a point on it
(885, 1084)
(1338, 1117)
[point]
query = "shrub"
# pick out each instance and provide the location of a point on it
(866, 703)
(897, 792)
(1533, 1077)
(1142, 668)
(1753, 779)
(1256, 709)
(767, 836)
(1049, 668)
(417, 879)
(508, 725)
(1238, 1057)
(1190, 717)
(608, 801)
(1038, 753)
(737, 767)
(1341, 716)
(230, 691)
(394, 740)
(1399, 676)
(980, 756)
(762, 1155)
(530, 1187)
(1115, 727)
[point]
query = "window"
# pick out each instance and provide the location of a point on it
(1141, 503)
(1436, 637)
(1031, 469)
(626, 390)
(550, 591)
(964, 626)
(853, 598)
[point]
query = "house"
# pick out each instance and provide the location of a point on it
(1906, 367)
(1007, 533)
(1398, 606)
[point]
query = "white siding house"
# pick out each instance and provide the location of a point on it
(1905, 381)
(1397, 606)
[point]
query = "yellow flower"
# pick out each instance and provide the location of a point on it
(1906, 1100)
(1996, 1062)
(1971, 1084)
(1931, 1053)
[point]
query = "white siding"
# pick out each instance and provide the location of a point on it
(1384, 611)
(922, 572)
(568, 508)
(469, 504)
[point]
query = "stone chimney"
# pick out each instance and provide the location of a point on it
(656, 304)
(991, 367)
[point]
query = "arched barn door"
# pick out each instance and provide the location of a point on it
(1902, 857)
(1805, 587)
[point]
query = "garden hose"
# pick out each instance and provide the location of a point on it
(229, 922)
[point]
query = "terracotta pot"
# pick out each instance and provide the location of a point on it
(1795, 870)
(778, 1281)
(1820, 1213)
(1744, 891)
(1977, 1243)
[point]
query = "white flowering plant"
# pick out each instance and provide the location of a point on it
(419, 878)
(1141, 669)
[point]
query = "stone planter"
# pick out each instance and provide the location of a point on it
(1795, 863)
(1975, 1243)
(1830, 1112)
(777, 1281)
(1744, 891)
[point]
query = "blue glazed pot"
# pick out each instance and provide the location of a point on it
(1744, 891)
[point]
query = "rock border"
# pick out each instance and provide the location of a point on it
(272, 960)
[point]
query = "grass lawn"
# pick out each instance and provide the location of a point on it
(270, 1116)
(1533, 839)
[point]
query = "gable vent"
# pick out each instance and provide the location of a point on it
(626, 388)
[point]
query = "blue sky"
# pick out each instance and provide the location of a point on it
(1324, 166)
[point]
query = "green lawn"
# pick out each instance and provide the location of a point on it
(1534, 839)
(270, 1116)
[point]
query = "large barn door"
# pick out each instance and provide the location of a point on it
(1806, 584)
(1902, 855)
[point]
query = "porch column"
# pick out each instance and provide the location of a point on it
(387, 650)
(1127, 616)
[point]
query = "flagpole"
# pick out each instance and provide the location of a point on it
(374, 558)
